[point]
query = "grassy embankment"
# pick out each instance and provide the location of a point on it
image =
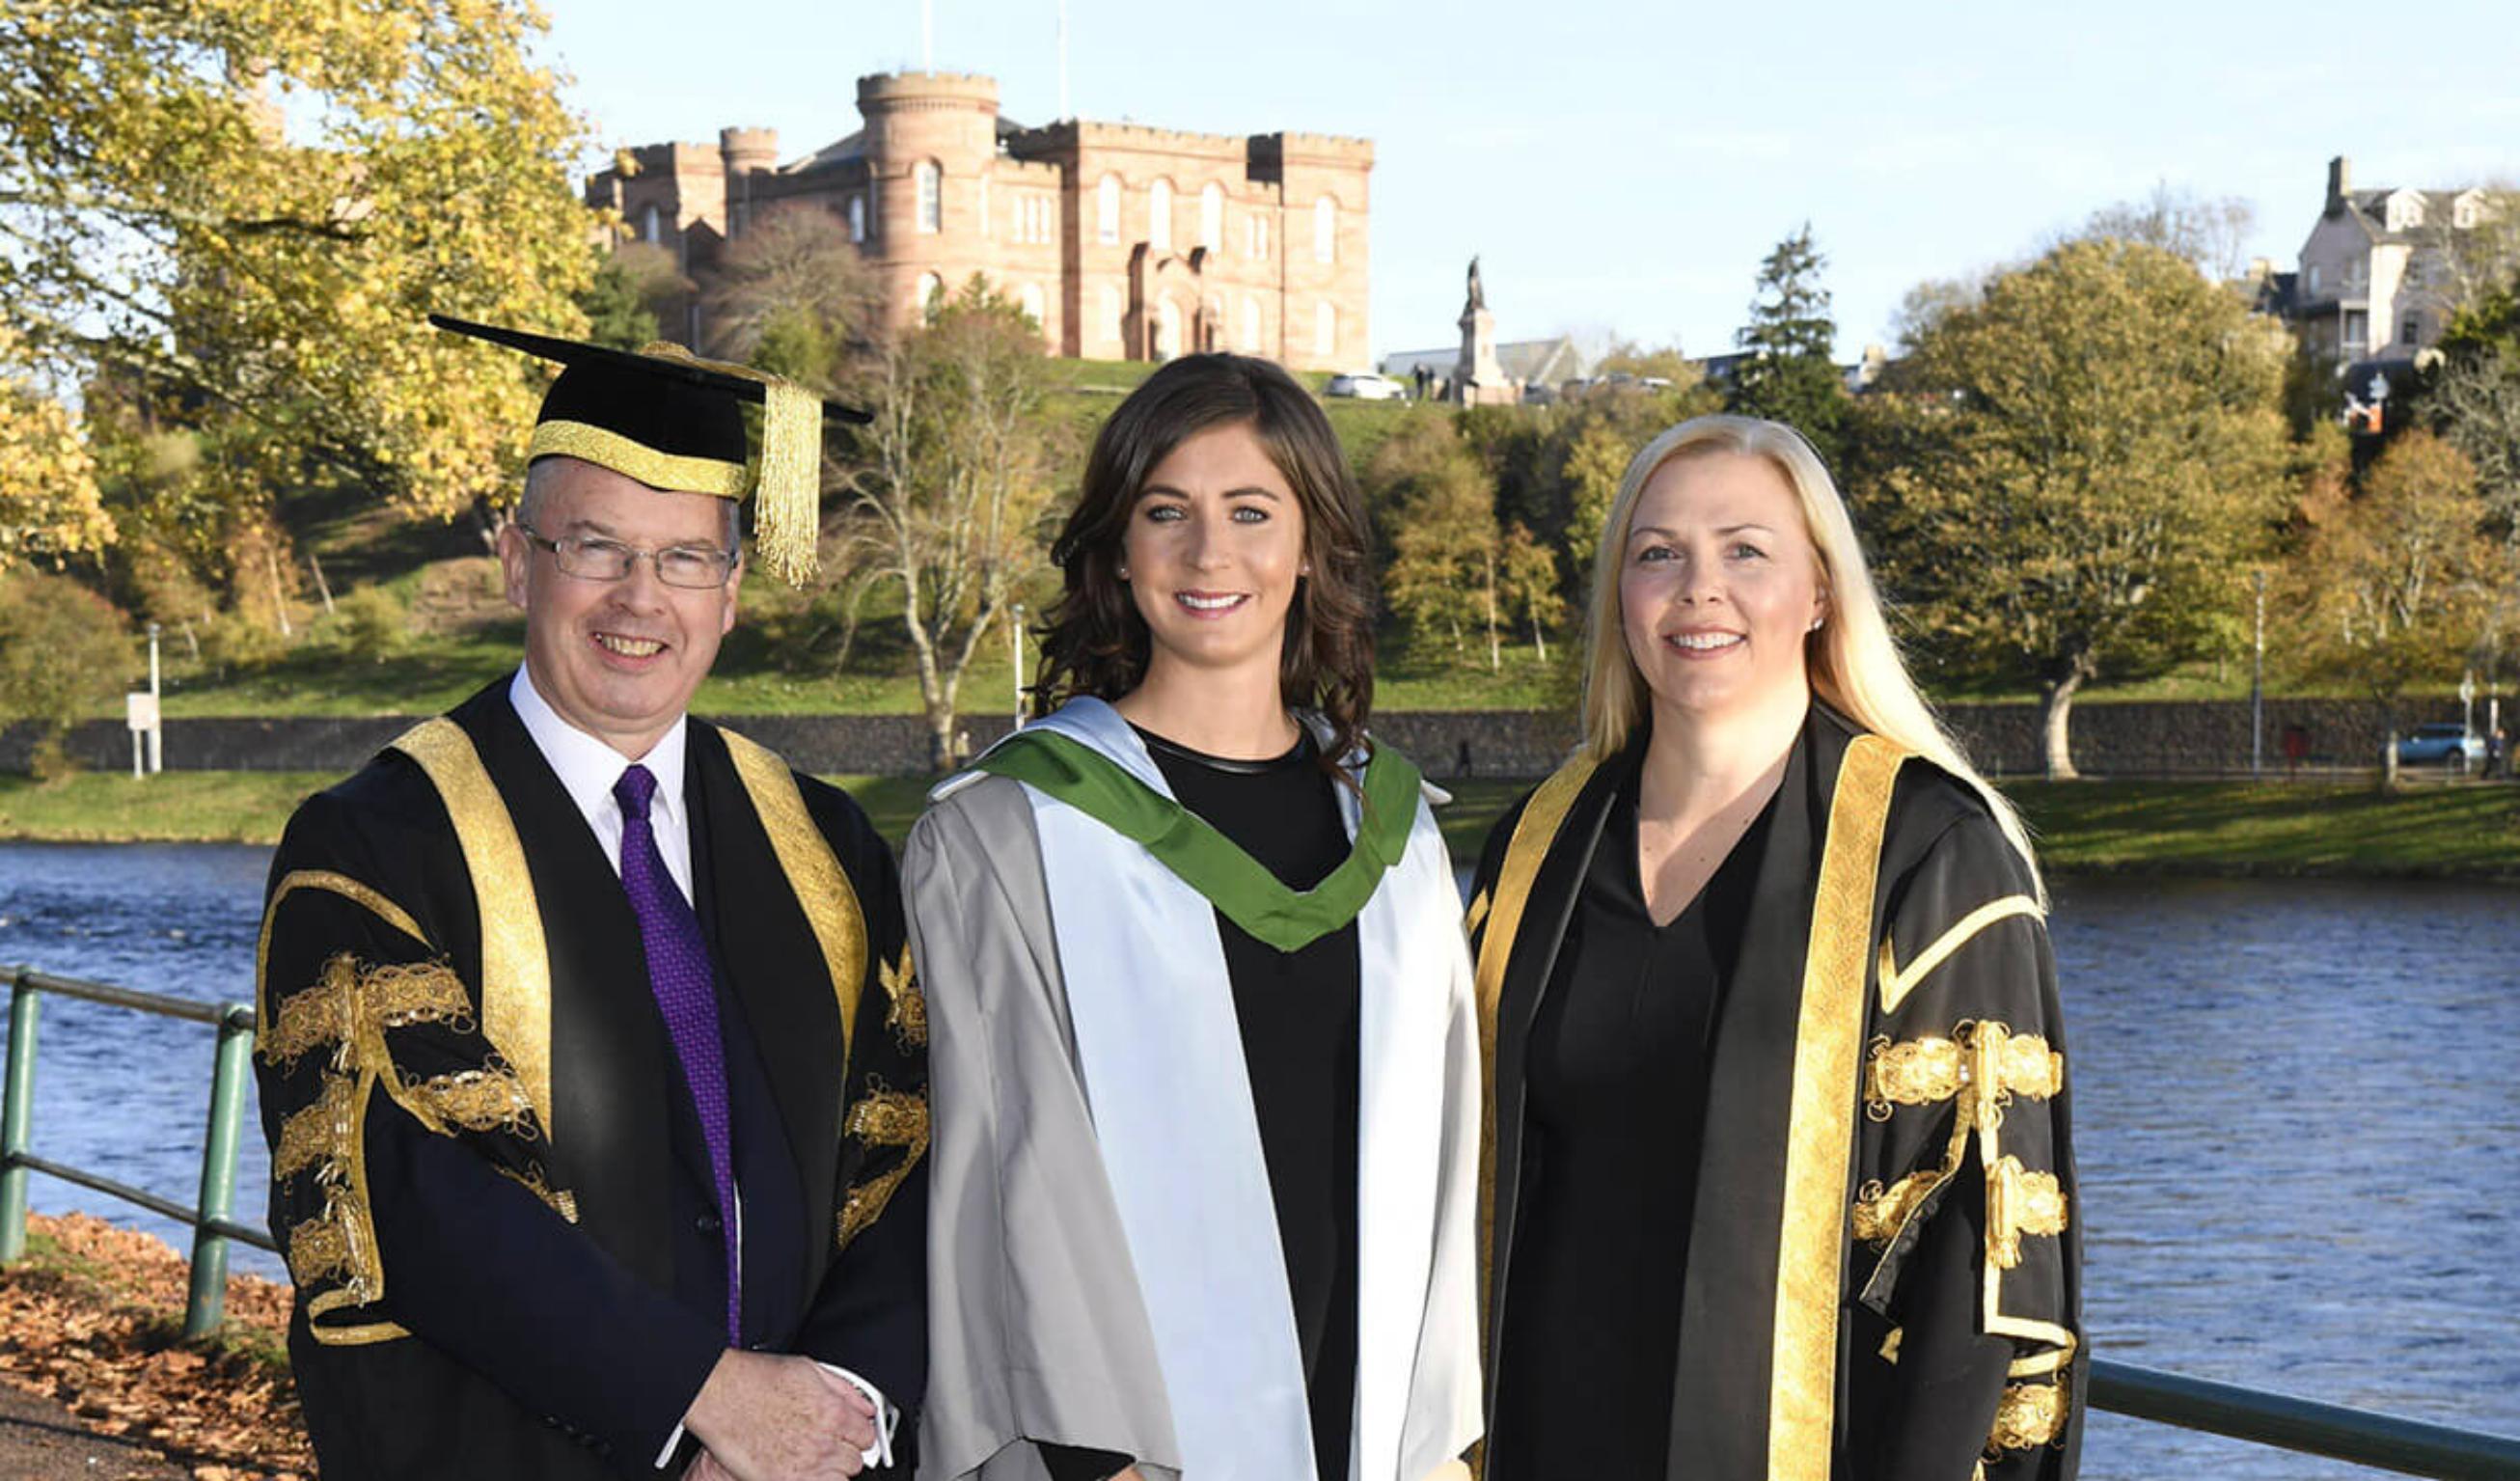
(2278, 829)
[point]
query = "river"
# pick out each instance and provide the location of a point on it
(2297, 1105)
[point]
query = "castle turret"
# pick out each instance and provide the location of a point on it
(746, 149)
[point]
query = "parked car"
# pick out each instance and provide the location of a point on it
(2447, 744)
(1365, 385)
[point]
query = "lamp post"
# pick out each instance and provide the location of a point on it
(2257, 686)
(1016, 632)
(157, 719)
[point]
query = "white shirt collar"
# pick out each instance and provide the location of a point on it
(588, 767)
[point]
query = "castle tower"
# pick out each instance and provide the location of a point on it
(931, 139)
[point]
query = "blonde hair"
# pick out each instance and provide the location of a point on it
(1853, 661)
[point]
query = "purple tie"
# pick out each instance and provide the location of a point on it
(678, 971)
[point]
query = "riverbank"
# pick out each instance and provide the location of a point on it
(2278, 829)
(92, 1320)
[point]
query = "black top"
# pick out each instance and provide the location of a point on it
(1616, 1108)
(1298, 1015)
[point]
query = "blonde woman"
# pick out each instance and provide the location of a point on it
(1781, 1175)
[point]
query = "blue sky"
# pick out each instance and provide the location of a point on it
(1624, 167)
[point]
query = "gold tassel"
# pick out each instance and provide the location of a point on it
(787, 519)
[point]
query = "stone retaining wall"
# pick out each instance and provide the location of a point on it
(2164, 738)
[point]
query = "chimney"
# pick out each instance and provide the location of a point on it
(2340, 182)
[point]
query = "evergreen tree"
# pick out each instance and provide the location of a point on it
(617, 314)
(1790, 376)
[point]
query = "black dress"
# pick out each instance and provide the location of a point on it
(1616, 1112)
(1298, 1013)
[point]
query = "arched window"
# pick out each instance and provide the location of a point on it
(1111, 314)
(931, 196)
(1252, 326)
(1211, 216)
(651, 223)
(1256, 241)
(1325, 328)
(1035, 307)
(857, 217)
(932, 292)
(984, 208)
(1326, 230)
(1159, 215)
(1106, 210)
(1168, 330)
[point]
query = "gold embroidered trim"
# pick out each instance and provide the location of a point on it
(1533, 833)
(671, 472)
(1828, 1040)
(814, 874)
(1880, 1214)
(473, 1099)
(315, 1135)
(2029, 1415)
(1931, 1070)
(2020, 1203)
(907, 1018)
(1477, 913)
(516, 966)
(1897, 983)
(336, 883)
(350, 1007)
(1890, 1344)
(883, 1118)
(561, 1201)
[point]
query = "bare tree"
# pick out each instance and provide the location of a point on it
(2213, 235)
(957, 482)
(791, 294)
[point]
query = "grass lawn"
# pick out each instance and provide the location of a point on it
(2462, 830)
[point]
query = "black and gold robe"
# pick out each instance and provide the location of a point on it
(488, 1175)
(1883, 1273)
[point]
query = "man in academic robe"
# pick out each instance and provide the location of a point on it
(1882, 1273)
(590, 1057)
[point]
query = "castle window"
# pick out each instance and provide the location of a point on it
(1167, 330)
(984, 208)
(1159, 215)
(1034, 306)
(2414, 329)
(1256, 239)
(1326, 230)
(857, 217)
(1325, 328)
(1211, 216)
(651, 223)
(931, 196)
(932, 292)
(1252, 325)
(1106, 210)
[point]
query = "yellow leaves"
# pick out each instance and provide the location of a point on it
(49, 502)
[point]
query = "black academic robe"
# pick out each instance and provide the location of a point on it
(488, 1176)
(1862, 1298)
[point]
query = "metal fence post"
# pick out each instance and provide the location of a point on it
(17, 1115)
(206, 1304)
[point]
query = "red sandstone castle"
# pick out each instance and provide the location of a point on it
(1122, 242)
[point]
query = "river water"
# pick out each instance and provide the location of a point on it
(2297, 1105)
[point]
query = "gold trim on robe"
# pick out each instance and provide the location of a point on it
(822, 888)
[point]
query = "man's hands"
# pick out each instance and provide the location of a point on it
(769, 1417)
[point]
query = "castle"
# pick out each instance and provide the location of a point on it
(1122, 242)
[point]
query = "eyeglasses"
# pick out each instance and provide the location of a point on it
(698, 568)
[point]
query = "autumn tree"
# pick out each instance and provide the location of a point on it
(791, 294)
(2089, 452)
(1436, 508)
(953, 483)
(2395, 582)
(1791, 375)
(64, 657)
(50, 505)
(239, 212)
(1527, 583)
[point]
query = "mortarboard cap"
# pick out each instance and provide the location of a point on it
(675, 422)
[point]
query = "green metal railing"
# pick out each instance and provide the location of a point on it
(2356, 1436)
(212, 1222)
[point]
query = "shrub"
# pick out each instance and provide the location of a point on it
(64, 657)
(370, 623)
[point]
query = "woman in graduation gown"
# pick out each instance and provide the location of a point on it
(1195, 976)
(1781, 1176)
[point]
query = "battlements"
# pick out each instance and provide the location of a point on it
(887, 91)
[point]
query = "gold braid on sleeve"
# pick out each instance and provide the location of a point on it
(883, 1118)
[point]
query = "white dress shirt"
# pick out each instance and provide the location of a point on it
(588, 769)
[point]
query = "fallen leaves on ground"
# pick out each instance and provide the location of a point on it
(93, 1318)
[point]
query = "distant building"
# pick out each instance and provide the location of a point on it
(2367, 287)
(1123, 242)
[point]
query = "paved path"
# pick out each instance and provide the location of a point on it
(41, 1441)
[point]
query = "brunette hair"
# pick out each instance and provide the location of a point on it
(1096, 644)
